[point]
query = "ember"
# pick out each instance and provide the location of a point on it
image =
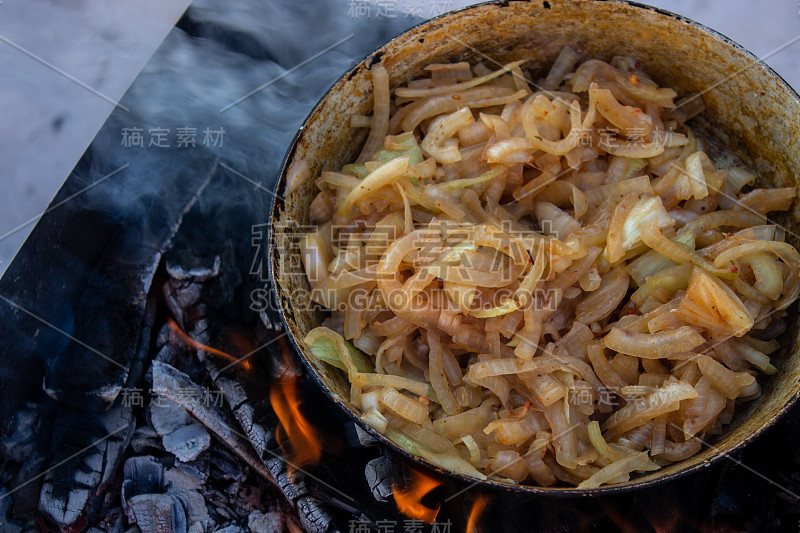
(200, 346)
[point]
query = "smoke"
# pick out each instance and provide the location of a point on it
(199, 80)
(147, 164)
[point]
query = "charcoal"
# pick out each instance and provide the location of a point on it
(378, 474)
(22, 462)
(173, 350)
(180, 434)
(157, 513)
(193, 259)
(86, 451)
(18, 443)
(259, 522)
(230, 528)
(28, 484)
(225, 466)
(188, 490)
(142, 475)
(191, 267)
(198, 469)
(140, 357)
(6, 522)
(222, 511)
(145, 439)
(261, 437)
(179, 295)
(364, 438)
(113, 521)
(152, 495)
(168, 382)
(232, 381)
(313, 516)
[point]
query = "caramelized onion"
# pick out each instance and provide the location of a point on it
(478, 273)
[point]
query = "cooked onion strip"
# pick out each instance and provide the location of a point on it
(380, 114)
(653, 345)
(443, 89)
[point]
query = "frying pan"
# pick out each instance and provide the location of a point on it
(752, 118)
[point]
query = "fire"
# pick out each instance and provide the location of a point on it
(304, 447)
(475, 514)
(200, 346)
(409, 498)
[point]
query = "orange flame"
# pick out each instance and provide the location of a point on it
(475, 514)
(304, 447)
(200, 346)
(409, 498)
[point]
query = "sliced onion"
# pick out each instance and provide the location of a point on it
(380, 114)
(619, 189)
(679, 451)
(629, 119)
(438, 377)
(648, 208)
(626, 465)
(555, 221)
(551, 147)
(766, 200)
(505, 151)
(403, 406)
(509, 464)
(602, 302)
(444, 89)
(703, 410)
(515, 430)
(576, 340)
(392, 290)
(442, 129)
(480, 97)
(467, 422)
(729, 382)
(564, 63)
(711, 304)
(614, 247)
(564, 438)
(736, 179)
(382, 176)
(547, 389)
(664, 400)
(366, 379)
(608, 375)
(769, 278)
(652, 237)
(653, 345)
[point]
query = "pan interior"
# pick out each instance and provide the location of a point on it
(752, 117)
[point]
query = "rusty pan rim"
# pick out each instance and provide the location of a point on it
(560, 492)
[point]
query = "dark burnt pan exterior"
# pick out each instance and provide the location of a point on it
(754, 117)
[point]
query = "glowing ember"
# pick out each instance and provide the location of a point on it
(409, 498)
(475, 514)
(304, 446)
(200, 346)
